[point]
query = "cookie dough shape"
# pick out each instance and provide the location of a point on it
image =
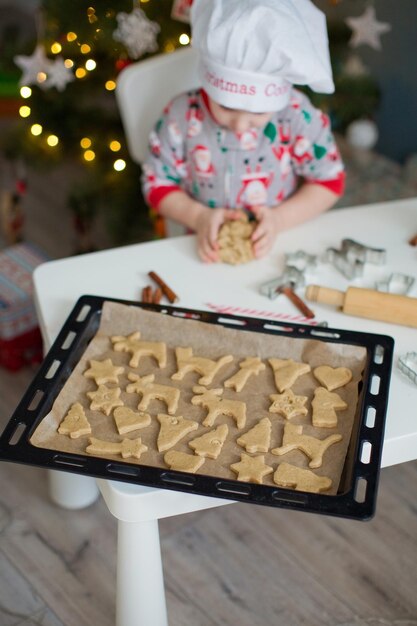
(325, 404)
(234, 241)
(312, 447)
(127, 420)
(251, 469)
(209, 398)
(258, 438)
(127, 448)
(210, 444)
(138, 348)
(173, 429)
(105, 399)
(292, 477)
(145, 387)
(251, 366)
(332, 377)
(104, 372)
(286, 372)
(288, 404)
(75, 423)
(182, 462)
(186, 363)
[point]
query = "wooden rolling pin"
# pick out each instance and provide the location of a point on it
(375, 305)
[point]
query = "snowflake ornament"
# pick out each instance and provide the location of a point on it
(136, 32)
(32, 66)
(59, 75)
(367, 30)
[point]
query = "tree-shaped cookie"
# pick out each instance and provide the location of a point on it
(149, 390)
(210, 444)
(251, 366)
(325, 404)
(208, 368)
(104, 372)
(286, 372)
(173, 429)
(209, 398)
(105, 399)
(251, 469)
(183, 462)
(332, 377)
(258, 438)
(312, 447)
(288, 404)
(126, 448)
(75, 423)
(127, 420)
(300, 479)
(138, 348)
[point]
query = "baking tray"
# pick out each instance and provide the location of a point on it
(356, 496)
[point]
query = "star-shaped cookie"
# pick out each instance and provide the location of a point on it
(104, 372)
(251, 469)
(288, 404)
(105, 399)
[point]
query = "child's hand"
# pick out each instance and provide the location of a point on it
(264, 235)
(207, 229)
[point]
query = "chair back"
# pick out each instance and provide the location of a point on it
(145, 87)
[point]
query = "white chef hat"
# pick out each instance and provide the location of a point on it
(252, 51)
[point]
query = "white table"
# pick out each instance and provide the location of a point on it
(122, 272)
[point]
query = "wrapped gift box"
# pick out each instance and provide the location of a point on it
(20, 339)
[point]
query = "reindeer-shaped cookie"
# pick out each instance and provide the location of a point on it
(186, 363)
(138, 348)
(209, 398)
(311, 446)
(248, 367)
(149, 390)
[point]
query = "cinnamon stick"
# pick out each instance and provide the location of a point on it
(147, 294)
(167, 291)
(157, 295)
(297, 302)
(413, 241)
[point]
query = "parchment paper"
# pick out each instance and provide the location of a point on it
(212, 341)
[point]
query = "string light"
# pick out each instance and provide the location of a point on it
(36, 129)
(110, 85)
(85, 142)
(169, 47)
(90, 64)
(52, 140)
(69, 63)
(56, 48)
(115, 146)
(71, 36)
(119, 165)
(184, 39)
(85, 48)
(89, 155)
(80, 72)
(41, 77)
(24, 111)
(25, 92)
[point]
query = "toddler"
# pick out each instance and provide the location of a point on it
(248, 140)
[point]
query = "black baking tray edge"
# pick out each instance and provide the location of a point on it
(356, 498)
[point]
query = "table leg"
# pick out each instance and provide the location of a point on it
(72, 491)
(140, 583)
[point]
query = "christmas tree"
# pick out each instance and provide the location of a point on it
(68, 108)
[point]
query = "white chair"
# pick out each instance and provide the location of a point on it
(143, 89)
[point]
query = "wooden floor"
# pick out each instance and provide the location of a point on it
(236, 565)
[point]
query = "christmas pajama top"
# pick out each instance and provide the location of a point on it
(188, 150)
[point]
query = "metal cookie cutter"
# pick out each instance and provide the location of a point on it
(396, 283)
(351, 258)
(291, 276)
(408, 365)
(301, 260)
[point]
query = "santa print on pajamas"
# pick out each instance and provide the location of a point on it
(188, 150)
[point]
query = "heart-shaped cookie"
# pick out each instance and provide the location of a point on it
(332, 377)
(127, 420)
